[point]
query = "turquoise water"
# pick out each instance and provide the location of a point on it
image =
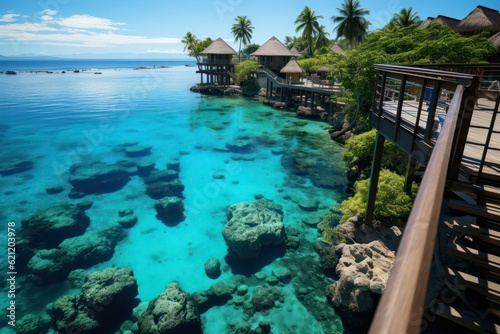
(56, 120)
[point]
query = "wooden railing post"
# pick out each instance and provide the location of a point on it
(374, 176)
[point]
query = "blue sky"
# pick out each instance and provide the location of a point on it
(155, 27)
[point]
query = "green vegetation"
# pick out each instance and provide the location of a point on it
(406, 17)
(245, 68)
(351, 22)
(242, 31)
(249, 49)
(195, 46)
(307, 21)
(391, 204)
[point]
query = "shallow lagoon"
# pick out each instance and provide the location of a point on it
(57, 120)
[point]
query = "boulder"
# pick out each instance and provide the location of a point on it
(174, 165)
(98, 177)
(137, 150)
(264, 297)
(85, 205)
(106, 300)
(252, 225)
(145, 168)
(15, 166)
(54, 189)
(283, 274)
(125, 212)
(128, 221)
(170, 209)
(212, 267)
(48, 227)
(363, 271)
(165, 175)
(162, 189)
(241, 146)
(33, 324)
(172, 312)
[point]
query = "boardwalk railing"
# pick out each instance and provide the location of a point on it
(402, 304)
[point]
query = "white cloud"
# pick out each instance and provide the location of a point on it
(89, 22)
(170, 51)
(9, 17)
(49, 12)
(46, 18)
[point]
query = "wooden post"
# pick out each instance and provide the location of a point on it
(410, 174)
(374, 176)
(312, 102)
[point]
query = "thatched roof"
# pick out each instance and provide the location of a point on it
(219, 47)
(479, 20)
(323, 69)
(273, 47)
(292, 67)
(426, 23)
(295, 52)
(495, 39)
(337, 49)
(441, 19)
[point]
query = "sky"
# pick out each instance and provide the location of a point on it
(154, 28)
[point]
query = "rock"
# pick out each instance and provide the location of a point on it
(261, 275)
(162, 189)
(223, 289)
(106, 300)
(47, 266)
(174, 165)
(15, 166)
(144, 168)
(125, 212)
(292, 242)
(242, 289)
(76, 278)
(272, 280)
(137, 150)
(170, 209)
(47, 228)
(212, 267)
(265, 327)
(98, 177)
(219, 176)
(243, 157)
(363, 271)
(166, 175)
(264, 297)
(128, 221)
(54, 190)
(85, 205)
(238, 300)
(311, 221)
(277, 151)
(283, 274)
(33, 324)
(250, 226)
(241, 146)
(308, 204)
(73, 194)
(172, 312)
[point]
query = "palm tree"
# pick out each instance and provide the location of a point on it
(406, 17)
(242, 31)
(351, 23)
(189, 39)
(307, 21)
(322, 38)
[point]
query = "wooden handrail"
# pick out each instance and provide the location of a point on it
(402, 304)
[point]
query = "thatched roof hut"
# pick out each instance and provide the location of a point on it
(295, 52)
(219, 47)
(479, 20)
(324, 69)
(441, 19)
(292, 67)
(495, 39)
(273, 47)
(337, 49)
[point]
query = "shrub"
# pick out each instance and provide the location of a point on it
(245, 68)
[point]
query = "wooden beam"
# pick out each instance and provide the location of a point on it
(374, 176)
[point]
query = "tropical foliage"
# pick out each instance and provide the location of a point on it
(307, 21)
(242, 31)
(406, 17)
(245, 68)
(195, 46)
(391, 202)
(351, 22)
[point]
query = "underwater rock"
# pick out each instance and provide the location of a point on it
(311, 221)
(76, 278)
(98, 177)
(85, 205)
(283, 274)
(165, 175)
(128, 221)
(125, 212)
(243, 157)
(212, 267)
(15, 166)
(292, 242)
(264, 327)
(137, 150)
(145, 168)
(106, 299)
(48, 227)
(264, 297)
(170, 209)
(47, 266)
(252, 225)
(174, 165)
(33, 324)
(272, 280)
(223, 289)
(277, 151)
(54, 189)
(73, 194)
(172, 312)
(363, 271)
(242, 289)
(241, 146)
(162, 189)
(308, 204)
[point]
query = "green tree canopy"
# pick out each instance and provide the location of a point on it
(307, 21)
(242, 31)
(249, 49)
(406, 17)
(351, 22)
(245, 68)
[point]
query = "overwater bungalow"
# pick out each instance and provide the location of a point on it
(292, 70)
(273, 55)
(450, 22)
(479, 20)
(217, 63)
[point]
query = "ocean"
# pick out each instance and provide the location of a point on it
(52, 122)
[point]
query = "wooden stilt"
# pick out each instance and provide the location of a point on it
(374, 176)
(410, 174)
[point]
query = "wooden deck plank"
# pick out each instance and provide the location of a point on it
(479, 258)
(483, 233)
(476, 210)
(486, 288)
(465, 319)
